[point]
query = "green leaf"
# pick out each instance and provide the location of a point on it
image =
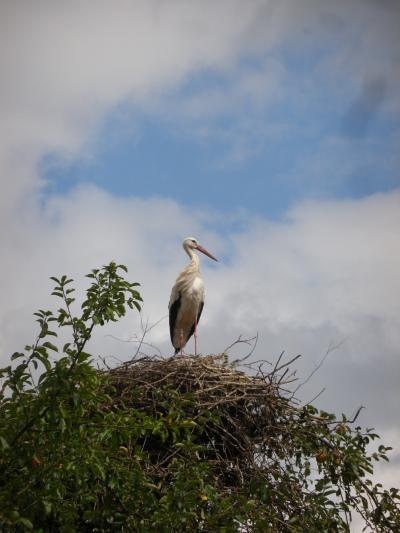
(50, 346)
(57, 293)
(26, 523)
(4, 443)
(41, 350)
(44, 360)
(47, 507)
(137, 305)
(75, 398)
(62, 425)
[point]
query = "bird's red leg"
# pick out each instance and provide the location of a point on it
(195, 337)
(181, 341)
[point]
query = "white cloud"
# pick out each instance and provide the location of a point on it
(64, 66)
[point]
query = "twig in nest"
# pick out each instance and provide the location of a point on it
(250, 342)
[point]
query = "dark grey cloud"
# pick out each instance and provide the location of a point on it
(364, 109)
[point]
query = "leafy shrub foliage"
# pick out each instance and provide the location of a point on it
(80, 453)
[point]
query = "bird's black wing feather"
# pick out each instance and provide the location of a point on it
(173, 312)
(198, 319)
(200, 311)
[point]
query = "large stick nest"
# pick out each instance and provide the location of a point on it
(252, 411)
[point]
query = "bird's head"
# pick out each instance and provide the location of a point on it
(190, 243)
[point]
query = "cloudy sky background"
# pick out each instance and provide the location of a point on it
(269, 130)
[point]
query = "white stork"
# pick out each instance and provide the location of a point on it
(187, 298)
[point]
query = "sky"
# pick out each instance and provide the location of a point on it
(268, 130)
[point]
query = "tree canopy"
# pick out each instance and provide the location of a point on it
(170, 444)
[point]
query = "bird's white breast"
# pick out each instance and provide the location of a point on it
(197, 286)
(189, 287)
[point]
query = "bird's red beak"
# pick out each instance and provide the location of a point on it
(205, 252)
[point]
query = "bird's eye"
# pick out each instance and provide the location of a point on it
(194, 241)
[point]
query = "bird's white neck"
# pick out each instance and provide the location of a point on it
(194, 258)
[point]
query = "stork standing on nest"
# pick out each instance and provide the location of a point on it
(187, 298)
